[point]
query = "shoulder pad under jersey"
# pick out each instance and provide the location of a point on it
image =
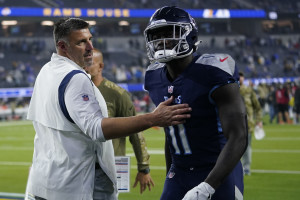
(155, 65)
(223, 61)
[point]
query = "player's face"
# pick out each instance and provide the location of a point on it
(80, 47)
(165, 37)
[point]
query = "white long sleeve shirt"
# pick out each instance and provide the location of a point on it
(65, 153)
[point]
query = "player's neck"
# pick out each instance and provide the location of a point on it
(177, 66)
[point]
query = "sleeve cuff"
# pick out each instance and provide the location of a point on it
(145, 171)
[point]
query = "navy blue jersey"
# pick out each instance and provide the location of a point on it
(199, 141)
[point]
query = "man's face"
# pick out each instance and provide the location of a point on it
(241, 80)
(95, 67)
(80, 47)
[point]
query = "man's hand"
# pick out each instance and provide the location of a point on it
(145, 180)
(260, 124)
(203, 191)
(164, 115)
(168, 115)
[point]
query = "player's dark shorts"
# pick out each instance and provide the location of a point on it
(283, 108)
(179, 181)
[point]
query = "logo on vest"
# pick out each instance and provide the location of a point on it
(85, 97)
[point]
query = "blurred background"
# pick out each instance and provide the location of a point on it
(263, 36)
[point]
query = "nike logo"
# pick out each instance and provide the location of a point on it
(222, 60)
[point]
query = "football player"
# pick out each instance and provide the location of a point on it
(203, 154)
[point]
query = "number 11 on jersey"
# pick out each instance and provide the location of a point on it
(182, 137)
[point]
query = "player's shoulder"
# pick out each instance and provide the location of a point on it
(215, 59)
(222, 61)
(155, 66)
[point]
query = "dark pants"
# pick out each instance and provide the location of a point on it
(178, 182)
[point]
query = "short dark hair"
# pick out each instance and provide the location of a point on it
(65, 26)
(241, 74)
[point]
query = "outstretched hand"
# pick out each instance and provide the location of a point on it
(168, 115)
(145, 181)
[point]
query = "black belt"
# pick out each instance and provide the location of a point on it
(97, 166)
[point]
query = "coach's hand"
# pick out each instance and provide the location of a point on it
(203, 191)
(168, 115)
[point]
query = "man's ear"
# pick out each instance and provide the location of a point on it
(101, 66)
(62, 45)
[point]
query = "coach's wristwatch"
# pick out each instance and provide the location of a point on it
(145, 171)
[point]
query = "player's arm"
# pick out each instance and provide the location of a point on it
(232, 113)
(233, 118)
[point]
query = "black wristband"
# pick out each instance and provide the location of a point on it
(145, 171)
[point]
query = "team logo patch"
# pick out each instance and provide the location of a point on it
(171, 174)
(170, 89)
(85, 97)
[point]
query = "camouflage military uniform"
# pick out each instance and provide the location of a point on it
(262, 92)
(119, 104)
(254, 111)
(254, 115)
